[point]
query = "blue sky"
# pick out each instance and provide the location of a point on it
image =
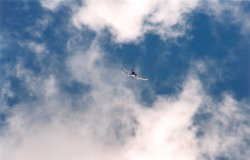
(63, 94)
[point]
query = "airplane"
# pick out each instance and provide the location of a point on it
(134, 75)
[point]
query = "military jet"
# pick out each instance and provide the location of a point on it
(134, 75)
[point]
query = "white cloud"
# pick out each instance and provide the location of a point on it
(50, 86)
(42, 85)
(109, 122)
(128, 20)
(232, 10)
(39, 27)
(227, 131)
(52, 131)
(39, 49)
(164, 131)
(51, 4)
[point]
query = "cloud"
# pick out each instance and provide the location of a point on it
(108, 121)
(109, 129)
(51, 4)
(226, 132)
(54, 5)
(129, 20)
(164, 130)
(233, 11)
(40, 25)
(39, 49)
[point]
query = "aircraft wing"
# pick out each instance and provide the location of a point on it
(140, 78)
(126, 72)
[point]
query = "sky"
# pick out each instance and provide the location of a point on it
(64, 96)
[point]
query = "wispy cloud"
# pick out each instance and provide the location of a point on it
(40, 25)
(39, 49)
(104, 124)
(226, 131)
(128, 20)
(234, 11)
(51, 4)
(109, 121)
